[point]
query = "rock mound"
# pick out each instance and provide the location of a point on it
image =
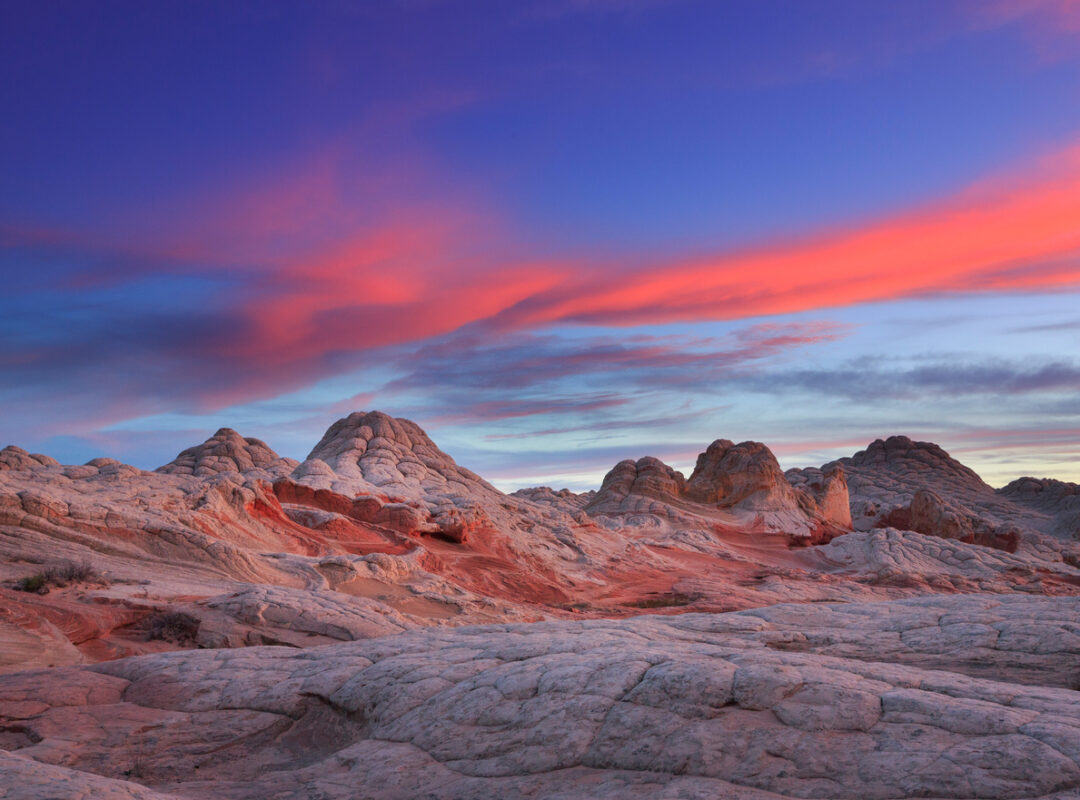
(228, 451)
(745, 475)
(372, 452)
(15, 458)
(562, 499)
(408, 482)
(636, 487)
(900, 483)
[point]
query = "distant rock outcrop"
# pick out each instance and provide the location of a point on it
(900, 483)
(829, 490)
(1059, 500)
(645, 486)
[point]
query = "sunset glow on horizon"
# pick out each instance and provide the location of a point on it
(555, 233)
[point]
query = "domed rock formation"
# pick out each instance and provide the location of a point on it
(745, 475)
(635, 487)
(372, 451)
(228, 451)
(373, 455)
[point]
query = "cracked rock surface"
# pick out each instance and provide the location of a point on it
(948, 697)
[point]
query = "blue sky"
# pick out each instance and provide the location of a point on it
(555, 233)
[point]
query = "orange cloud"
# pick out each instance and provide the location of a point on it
(1012, 234)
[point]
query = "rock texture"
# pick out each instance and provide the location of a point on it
(947, 697)
(740, 485)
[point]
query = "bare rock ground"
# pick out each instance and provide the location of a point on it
(949, 697)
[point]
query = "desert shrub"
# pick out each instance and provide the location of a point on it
(173, 626)
(69, 572)
(57, 575)
(664, 601)
(32, 583)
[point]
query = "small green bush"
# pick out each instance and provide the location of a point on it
(32, 583)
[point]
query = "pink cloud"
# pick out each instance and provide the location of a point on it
(319, 272)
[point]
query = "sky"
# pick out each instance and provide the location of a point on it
(555, 233)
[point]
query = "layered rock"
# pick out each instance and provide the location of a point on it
(828, 487)
(418, 487)
(255, 555)
(745, 475)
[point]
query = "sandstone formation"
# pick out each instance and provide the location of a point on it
(323, 615)
(379, 520)
(741, 485)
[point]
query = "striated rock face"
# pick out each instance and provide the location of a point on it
(372, 452)
(946, 697)
(228, 451)
(746, 477)
(392, 460)
(886, 475)
(930, 514)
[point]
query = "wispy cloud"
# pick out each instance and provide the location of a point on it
(306, 277)
(868, 378)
